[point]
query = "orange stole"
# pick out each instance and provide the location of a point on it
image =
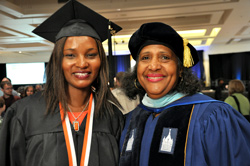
(87, 137)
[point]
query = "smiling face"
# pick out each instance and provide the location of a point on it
(29, 91)
(157, 70)
(81, 61)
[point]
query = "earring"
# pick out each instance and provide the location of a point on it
(136, 84)
(93, 89)
(181, 77)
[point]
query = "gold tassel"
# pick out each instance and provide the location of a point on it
(187, 57)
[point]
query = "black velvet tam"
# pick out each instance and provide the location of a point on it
(75, 19)
(159, 32)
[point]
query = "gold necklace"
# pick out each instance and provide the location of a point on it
(75, 122)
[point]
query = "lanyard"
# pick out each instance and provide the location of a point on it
(87, 136)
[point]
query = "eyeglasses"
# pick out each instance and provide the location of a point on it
(8, 88)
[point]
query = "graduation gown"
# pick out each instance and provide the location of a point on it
(192, 131)
(30, 138)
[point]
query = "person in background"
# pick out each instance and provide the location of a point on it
(2, 109)
(236, 98)
(74, 121)
(14, 93)
(219, 89)
(8, 97)
(38, 88)
(175, 124)
(123, 99)
(29, 90)
(21, 91)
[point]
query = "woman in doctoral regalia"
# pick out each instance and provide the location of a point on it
(175, 125)
(74, 121)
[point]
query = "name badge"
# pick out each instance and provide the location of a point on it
(168, 140)
(131, 140)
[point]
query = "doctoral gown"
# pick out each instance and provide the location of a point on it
(30, 138)
(192, 131)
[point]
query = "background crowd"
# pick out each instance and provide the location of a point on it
(8, 95)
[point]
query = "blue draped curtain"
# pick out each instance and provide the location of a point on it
(122, 63)
(230, 66)
(199, 68)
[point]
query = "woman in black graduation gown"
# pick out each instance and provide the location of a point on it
(74, 121)
(175, 125)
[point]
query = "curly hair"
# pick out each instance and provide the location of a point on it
(188, 83)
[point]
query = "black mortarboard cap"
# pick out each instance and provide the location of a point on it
(75, 19)
(157, 32)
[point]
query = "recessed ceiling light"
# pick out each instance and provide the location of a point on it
(192, 33)
(209, 41)
(215, 32)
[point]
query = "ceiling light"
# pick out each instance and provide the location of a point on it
(195, 42)
(209, 41)
(192, 33)
(215, 32)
